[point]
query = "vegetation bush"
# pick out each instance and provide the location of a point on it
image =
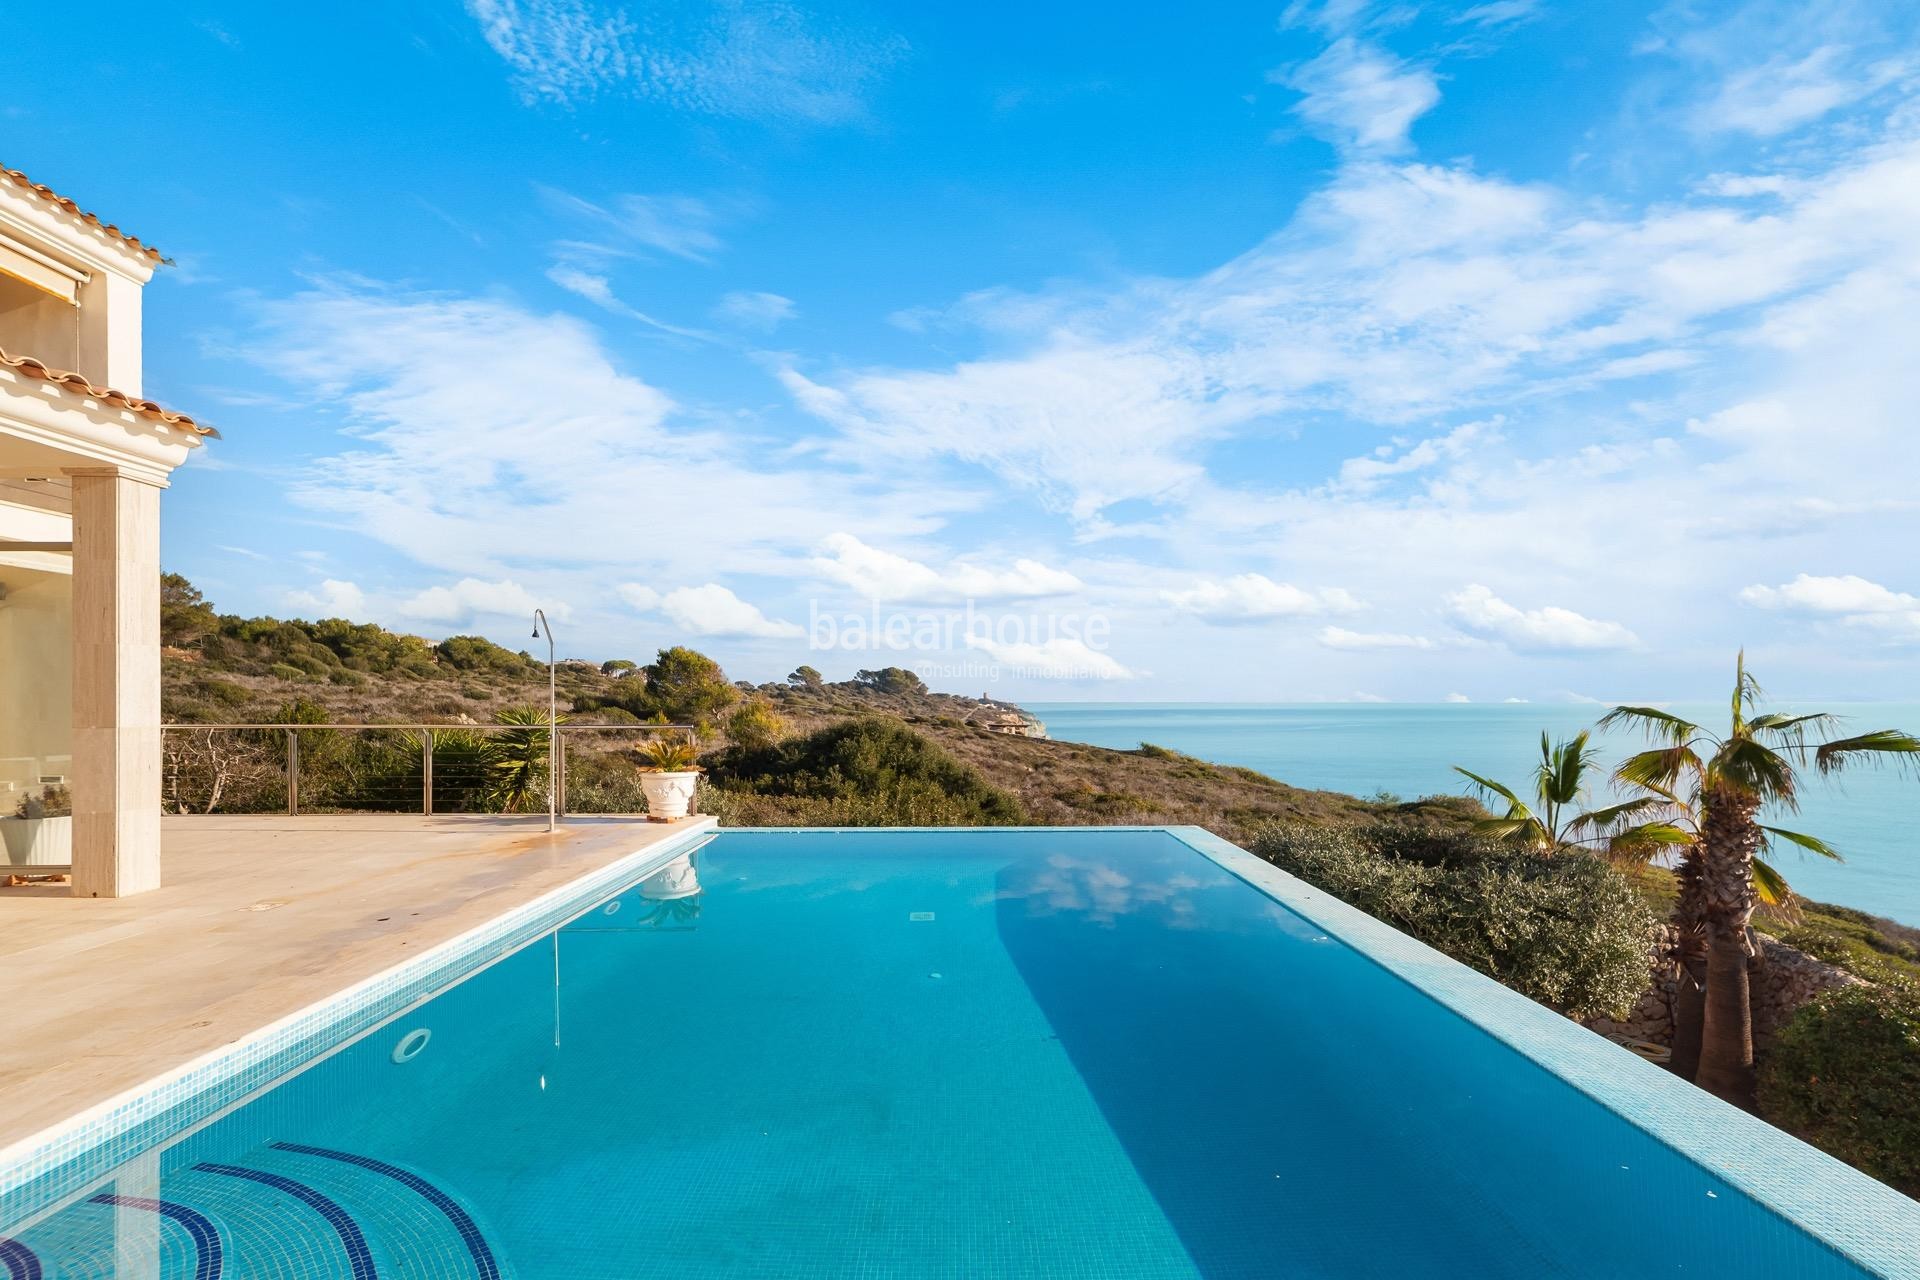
(1565, 930)
(888, 680)
(685, 686)
(754, 725)
(865, 772)
(1844, 1074)
(477, 653)
(1875, 949)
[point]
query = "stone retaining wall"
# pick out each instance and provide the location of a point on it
(1783, 979)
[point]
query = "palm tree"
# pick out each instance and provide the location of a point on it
(517, 761)
(1722, 784)
(1559, 780)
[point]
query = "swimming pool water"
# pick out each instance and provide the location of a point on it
(984, 1053)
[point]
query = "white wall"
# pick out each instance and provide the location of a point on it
(36, 677)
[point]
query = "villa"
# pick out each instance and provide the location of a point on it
(83, 461)
(464, 1046)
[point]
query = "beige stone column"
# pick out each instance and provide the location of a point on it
(116, 684)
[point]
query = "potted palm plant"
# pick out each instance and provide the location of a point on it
(669, 768)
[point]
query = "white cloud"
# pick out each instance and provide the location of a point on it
(1831, 595)
(333, 598)
(560, 50)
(1456, 697)
(680, 226)
(1785, 91)
(1498, 13)
(883, 575)
(1057, 659)
(639, 596)
(1365, 474)
(762, 311)
(1853, 600)
(752, 61)
(711, 610)
(1397, 293)
(1341, 638)
(472, 598)
(595, 289)
(489, 441)
(598, 290)
(1477, 611)
(1254, 597)
(1360, 96)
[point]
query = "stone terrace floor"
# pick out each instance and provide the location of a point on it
(258, 918)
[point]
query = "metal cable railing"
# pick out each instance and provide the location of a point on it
(402, 768)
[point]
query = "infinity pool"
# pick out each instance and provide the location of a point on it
(965, 1053)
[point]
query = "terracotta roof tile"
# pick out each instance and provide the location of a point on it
(78, 385)
(21, 180)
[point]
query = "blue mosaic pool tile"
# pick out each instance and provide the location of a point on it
(52, 1167)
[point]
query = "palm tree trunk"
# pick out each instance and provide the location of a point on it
(1730, 839)
(1689, 966)
(1726, 1031)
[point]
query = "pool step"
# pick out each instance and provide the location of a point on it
(282, 1210)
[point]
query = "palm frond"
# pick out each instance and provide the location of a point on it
(1488, 787)
(1757, 769)
(1658, 770)
(1793, 729)
(1880, 746)
(1746, 694)
(1521, 830)
(1772, 888)
(1647, 841)
(1570, 763)
(1812, 843)
(1613, 815)
(1658, 725)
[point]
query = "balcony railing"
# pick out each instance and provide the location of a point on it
(401, 768)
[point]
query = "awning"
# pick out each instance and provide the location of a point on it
(29, 266)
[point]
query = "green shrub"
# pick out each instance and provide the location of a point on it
(683, 686)
(477, 653)
(867, 772)
(224, 692)
(1857, 942)
(1844, 1074)
(754, 725)
(1566, 930)
(891, 680)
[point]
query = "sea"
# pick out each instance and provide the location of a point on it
(1409, 750)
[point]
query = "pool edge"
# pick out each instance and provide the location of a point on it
(48, 1166)
(1858, 1217)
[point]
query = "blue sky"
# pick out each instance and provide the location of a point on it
(1487, 351)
